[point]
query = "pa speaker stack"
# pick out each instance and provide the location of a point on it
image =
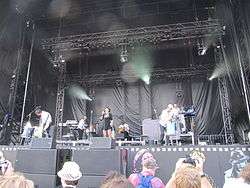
(95, 164)
(38, 165)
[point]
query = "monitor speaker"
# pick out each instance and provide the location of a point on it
(41, 143)
(37, 161)
(101, 143)
(97, 162)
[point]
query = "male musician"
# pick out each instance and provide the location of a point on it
(45, 120)
(166, 123)
(82, 125)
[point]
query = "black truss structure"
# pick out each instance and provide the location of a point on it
(157, 75)
(146, 35)
(154, 35)
(60, 100)
(224, 100)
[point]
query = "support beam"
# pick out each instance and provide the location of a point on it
(225, 101)
(146, 35)
(60, 100)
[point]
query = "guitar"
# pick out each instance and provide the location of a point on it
(38, 132)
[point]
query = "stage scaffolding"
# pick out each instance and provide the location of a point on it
(153, 36)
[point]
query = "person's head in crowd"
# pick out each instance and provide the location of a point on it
(187, 177)
(70, 174)
(190, 168)
(16, 180)
(238, 160)
(170, 106)
(197, 155)
(147, 155)
(150, 164)
(139, 157)
(115, 180)
(245, 174)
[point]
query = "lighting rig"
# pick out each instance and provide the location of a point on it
(146, 36)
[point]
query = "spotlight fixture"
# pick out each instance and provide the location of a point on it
(124, 54)
(211, 78)
(202, 49)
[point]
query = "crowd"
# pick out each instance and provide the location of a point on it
(188, 173)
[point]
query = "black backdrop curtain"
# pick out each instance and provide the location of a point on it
(237, 36)
(135, 102)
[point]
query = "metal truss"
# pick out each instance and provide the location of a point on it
(60, 100)
(160, 74)
(146, 35)
(225, 102)
(241, 31)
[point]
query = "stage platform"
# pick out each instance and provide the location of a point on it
(41, 165)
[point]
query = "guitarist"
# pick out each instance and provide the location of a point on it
(82, 126)
(45, 120)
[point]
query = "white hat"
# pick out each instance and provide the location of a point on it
(70, 171)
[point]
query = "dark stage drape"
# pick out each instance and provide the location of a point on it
(236, 52)
(206, 102)
(135, 102)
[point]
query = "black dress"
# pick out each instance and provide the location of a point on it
(107, 122)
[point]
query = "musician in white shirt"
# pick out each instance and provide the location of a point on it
(45, 121)
(82, 125)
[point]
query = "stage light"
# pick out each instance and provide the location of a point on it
(202, 49)
(124, 56)
(146, 79)
(211, 78)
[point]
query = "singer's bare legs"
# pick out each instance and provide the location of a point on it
(107, 133)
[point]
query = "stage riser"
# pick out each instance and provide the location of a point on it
(37, 161)
(98, 162)
(42, 180)
(91, 181)
(95, 164)
(101, 143)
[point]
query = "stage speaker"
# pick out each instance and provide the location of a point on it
(41, 143)
(42, 180)
(90, 181)
(101, 143)
(37, 161)
(97, 162)
(10, 155)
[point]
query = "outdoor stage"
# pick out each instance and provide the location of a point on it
(41, 165)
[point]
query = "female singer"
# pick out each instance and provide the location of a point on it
(108, 122)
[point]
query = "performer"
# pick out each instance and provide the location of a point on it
(124, 128)
(108, 122)
(45, 121)
(167, 123)
(82, 126)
